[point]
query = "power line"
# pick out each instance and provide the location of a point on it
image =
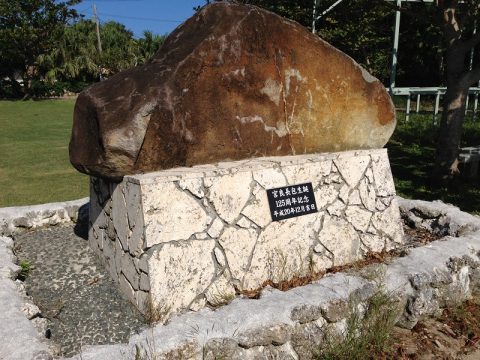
(82, 10)
(113, 0)
(132, 17)
(140, 18)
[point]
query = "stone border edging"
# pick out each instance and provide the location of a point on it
(19, 338)
(454, 221)
(14, 220)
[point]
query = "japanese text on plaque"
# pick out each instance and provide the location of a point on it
(290, 201)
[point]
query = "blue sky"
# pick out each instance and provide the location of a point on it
(159, 16)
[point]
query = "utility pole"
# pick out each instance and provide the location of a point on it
(396, 36)
(98, 28)
(99, 41)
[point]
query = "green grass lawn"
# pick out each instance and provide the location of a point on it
(412, 149)
(34, 165)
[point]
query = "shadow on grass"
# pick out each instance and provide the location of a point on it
(412, 153)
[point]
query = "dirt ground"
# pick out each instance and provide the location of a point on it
(453, 335)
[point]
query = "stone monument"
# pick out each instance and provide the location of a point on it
(246, 152)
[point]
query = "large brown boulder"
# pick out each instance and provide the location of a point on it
(232, 82)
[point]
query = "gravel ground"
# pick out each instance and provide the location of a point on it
(74, 292)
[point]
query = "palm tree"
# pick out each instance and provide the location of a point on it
(74, 57)
(148, 45)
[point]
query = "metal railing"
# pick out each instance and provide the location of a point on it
(438, 92)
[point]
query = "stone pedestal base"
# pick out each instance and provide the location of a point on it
(187, 237)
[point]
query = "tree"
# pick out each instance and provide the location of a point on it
(77, 58)
(363, 30)
(457, 23)
(119, 48)
(421, 52)
(299, 10)
(29, 28)
(148, 45)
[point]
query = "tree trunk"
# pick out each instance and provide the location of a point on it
(28, 76)
(458, 83)
(450, 134)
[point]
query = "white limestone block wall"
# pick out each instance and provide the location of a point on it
(185, 238)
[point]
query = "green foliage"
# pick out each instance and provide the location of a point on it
(119, 48)
(299, 10)
(42, 44)
(25, 267)
(148, 45)
(10, 89)
(75, 86)
(43, 89)
(29, 28)
(361, 29)
(77, 56)
(421, 48)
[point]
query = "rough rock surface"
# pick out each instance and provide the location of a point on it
(232, 82)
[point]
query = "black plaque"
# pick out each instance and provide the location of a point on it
(291, 201)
